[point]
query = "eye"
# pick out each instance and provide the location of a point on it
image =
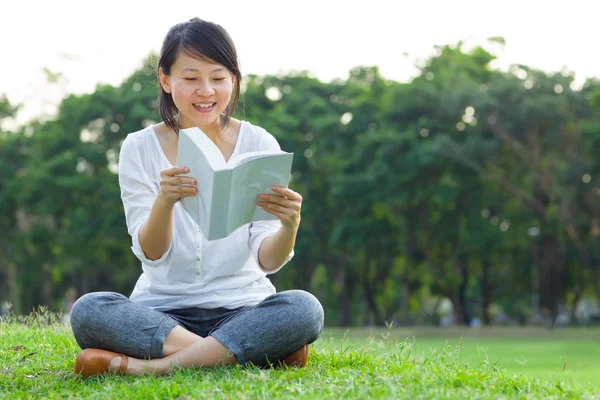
(189, 79)
(219, 79)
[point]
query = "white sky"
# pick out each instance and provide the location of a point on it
(105, 41)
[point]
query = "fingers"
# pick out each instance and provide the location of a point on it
(171, 176)
(177, 191)
(287, 192)
(289, 217)
(178, 180)
(174, 186)
(277, 207)
(285, 205)
(176, 170)
(280, 215)
(280, 201)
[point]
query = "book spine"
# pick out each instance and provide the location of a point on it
(219, 216)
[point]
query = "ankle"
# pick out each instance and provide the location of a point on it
(115, 364)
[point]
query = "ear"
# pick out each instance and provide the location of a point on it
(165, 81)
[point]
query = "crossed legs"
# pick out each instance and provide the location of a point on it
(155, 343)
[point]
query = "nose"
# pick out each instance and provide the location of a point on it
(205, 89)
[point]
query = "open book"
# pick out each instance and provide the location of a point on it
(228, 191)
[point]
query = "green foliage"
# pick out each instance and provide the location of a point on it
(6, 109)
(413, 192)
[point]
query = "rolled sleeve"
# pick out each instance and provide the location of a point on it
(136, 248)
(138, 195)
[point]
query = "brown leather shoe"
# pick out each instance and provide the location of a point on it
(95, 362)
(298, 358)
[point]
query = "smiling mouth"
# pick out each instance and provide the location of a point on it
(204, 105)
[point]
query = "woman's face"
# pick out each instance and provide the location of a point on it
(201, 90)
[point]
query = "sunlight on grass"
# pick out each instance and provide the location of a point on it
(37, 355)
(569, 354)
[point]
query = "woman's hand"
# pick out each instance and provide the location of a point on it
(173, 186)
(285, 205)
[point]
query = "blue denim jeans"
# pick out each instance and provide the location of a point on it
(261, 334)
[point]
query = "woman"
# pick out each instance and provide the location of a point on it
(198, 302)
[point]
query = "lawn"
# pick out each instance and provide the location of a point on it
(571, 355)
(37, 354)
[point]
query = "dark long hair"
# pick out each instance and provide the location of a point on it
(199, 39)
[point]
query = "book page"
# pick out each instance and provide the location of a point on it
(219, 212)
(252, 178)
(200, 143)
(200, 169)
(252, 155)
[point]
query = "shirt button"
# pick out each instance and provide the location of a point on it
(197, 272)
(197, 258)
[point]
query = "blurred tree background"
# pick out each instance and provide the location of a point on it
(467, 195)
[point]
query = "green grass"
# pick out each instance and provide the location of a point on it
(567, 354)
(36, 361)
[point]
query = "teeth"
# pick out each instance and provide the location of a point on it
(204, 105)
